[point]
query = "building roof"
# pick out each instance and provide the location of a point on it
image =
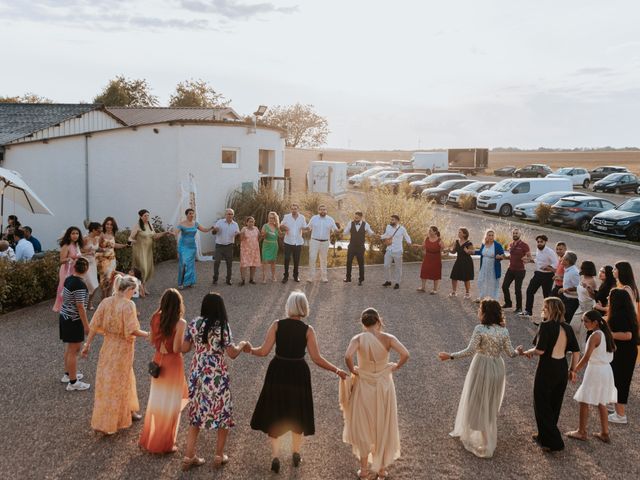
(19, 120)
(146, 115)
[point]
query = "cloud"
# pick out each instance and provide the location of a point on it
(594, 71)
(234, 10)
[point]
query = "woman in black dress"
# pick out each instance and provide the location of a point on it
(623, 322)
(463, 267)
(554, 339)
(286, 400)
(602, 294)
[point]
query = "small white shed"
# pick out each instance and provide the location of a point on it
(327, 177)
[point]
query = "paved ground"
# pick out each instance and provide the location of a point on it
(46, 432)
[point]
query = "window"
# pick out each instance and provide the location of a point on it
(522, 188)
(230, 157)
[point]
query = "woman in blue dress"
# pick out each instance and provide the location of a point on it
(187, 249)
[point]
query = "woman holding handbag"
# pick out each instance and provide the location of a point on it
(168, 393)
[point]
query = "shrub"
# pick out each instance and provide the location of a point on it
(257, 203)
(543, 213)
(467, 202)
(27, 283)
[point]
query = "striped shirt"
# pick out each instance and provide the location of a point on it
(74, 292)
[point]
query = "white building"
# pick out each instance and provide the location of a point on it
(88, 162)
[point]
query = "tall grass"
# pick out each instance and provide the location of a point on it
(257, 203)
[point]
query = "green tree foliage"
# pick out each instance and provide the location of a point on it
(197, 93)
(26, 98)
(304, 127)
(123, 92)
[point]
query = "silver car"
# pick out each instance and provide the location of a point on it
(527, 211)
(471, 190)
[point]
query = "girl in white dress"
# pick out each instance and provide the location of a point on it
(89, 250)
(598, 387)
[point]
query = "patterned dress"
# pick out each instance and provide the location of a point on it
(106, 260)
(250, 248)
(210, 405)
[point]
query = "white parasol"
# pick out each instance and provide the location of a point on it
(14, 188)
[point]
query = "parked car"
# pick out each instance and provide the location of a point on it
(617, 183)
(579, 176)
(404, 179)
(601, 172)
(527, 210)
(359, 166)
(441, 192)
(403, 165)
(623, 221)
(434, 180)
(503, 196)
(504, 171)
(471, 190)
(577, 212)
(535, 170)
(356, 180)
(380, 177)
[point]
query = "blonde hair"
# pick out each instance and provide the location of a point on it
(122, 283)
(275, 214)
(297, 305)
(555, 309)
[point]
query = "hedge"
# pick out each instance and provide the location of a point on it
(27, 283)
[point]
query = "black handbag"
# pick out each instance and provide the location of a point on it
(154, 369)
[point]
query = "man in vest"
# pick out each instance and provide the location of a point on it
(357, 229)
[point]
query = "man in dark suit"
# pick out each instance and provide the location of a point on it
(357, 229)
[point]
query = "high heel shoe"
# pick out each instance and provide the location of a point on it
(362, 474)
(194, 461)
(275, 465)
(219, 461)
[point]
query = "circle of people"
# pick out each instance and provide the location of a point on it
(606, 332)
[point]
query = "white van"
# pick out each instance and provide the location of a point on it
(505, 195)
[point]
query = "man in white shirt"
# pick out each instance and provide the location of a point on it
(357, 229)
(225, 230)
(321, 226)
(392, 237)
(24, 248)
(292, 225)
(546, 262)
(570, 282)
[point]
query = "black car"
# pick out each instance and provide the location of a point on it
(441, 192)
(504, 171)
(617, 183)
(535, 170)
(601, 172)
(623, 221)
(434, 180)
(577, 212)
(404, 179)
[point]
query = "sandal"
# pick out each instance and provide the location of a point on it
(576, 435)
(452, 294)
(219, 461)
(467, 295)
(433, 292)
(603, 437)
(362, 473)
(383, 475)
(194, 461)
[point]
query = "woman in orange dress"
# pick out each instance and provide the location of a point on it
(168, 394)
(116, 399)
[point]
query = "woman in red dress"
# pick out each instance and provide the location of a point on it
(432, 261)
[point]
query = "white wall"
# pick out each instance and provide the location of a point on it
(134, 169)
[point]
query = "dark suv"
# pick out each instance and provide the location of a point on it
(535, 170)
(434, 180)
(577, 212)
(617, 183)
(601, 172)
(623, 221)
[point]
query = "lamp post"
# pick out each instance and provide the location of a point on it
(262, 109)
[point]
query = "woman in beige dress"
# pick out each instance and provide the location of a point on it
(142, 237)
(477, 418)
(368, 398)
(106, 256)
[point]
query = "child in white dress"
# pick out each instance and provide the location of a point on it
(598, 387)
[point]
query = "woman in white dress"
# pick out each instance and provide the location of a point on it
(491, 253)
(477, 418)
(368, 397)
(89, 250)
(598, 387)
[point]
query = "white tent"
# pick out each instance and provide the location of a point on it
(13, 188)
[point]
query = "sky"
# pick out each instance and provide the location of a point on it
(386, 74)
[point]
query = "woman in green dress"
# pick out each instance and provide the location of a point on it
(269, 235)
(141, 238)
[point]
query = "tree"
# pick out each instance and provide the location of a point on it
(26, 98)
(197, 93)
(122, 92)
(304, 127)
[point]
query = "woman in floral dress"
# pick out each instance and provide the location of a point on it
(106, 257)
(249, 249)
(210, 404)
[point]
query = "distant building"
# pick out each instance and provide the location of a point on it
(87, 161)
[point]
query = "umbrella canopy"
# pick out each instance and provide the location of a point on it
(15, 189)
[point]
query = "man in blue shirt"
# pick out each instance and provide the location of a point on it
(37, 247)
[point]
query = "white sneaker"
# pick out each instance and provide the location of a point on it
(615, 418)
(65, 377)
(77, 386)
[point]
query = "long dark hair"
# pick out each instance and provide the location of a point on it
(171, 311)
(66, 238)
(114, 225)
(491, 312)
(626, 278)
(214, 314)
(140, 214)
(594, 316)
(608, 283)
(621, 308)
